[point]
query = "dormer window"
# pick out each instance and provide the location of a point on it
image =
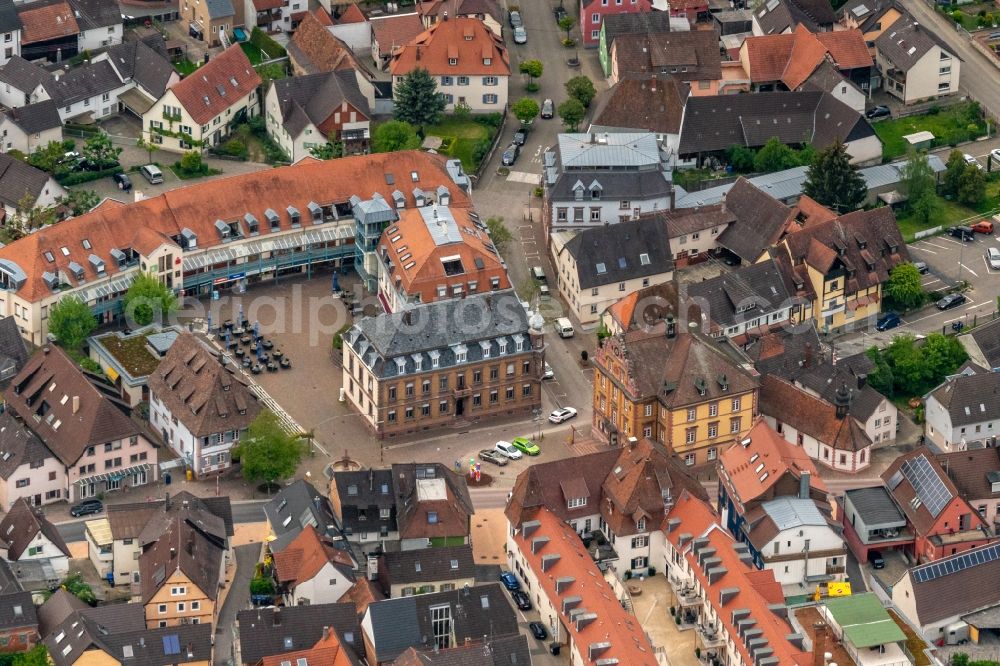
(453, 61)
(487, 61)
(595, 195)
(316, 211)
(272, 219)
(640, 525)
(293, 216)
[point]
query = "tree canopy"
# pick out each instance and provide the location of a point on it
(395, 135)
(834, 182)
(963, 181)
(99, 152)
(920, 184)
(327, 151)
(571, 111)
(148, 300)
(267, 453)
(499, 233)
(417, 99)
(775, 156)
(910, 368)
(525, 109)
(71, 321)
(904, 288)
(581, 89)
(532, 69)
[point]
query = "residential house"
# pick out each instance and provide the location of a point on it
(352, 27)
(438, 620)
(129, 359)
(597, 179)
(200, 111)
(435, 253)
(826, 430)
(49, 30)
(694, 232)
(957, 588)
(576, 604)
(88, 92)
(641, 103)
(593, 12)
(311, 570)
(487, 11)
(871, 20)
(915, 63)
(695, 11)
(28, 469)
(628, 24)
(95, 256)
(31, 127)
(117, 634)
(959, 410)
(873, 521)
(134, 526)
(265, 632)
(863, 626)
(399, 382)
(408, 572)
(364, 505)
(691, 56)
(781, 16)
(796, 540)
(306, 112)
(644, 307)
(210, 21)
(200, 407)
(810, 117)
(392, 32)
(763, 467)
(328, 650)
(26, 535)
(21, 183)
(845, 262)
(363, 593)
(738, 612)
(672, 386)
(145, 64)
(597, 266)
(100, 547)
(294, 508)
(11, 27)
(503, 650)
(433, 506)
(976, 474)
(983, 345)
(56, 609)
(23, 82)
(18, 619)
(275, 17)
(100, 24)
(468, 61)
(941, 520)
(314, 50)
(100, 449)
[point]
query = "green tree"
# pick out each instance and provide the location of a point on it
(51, 157)
(147, 145)
(525, 109)
(571, 111)
(920, 184)
(328, 151)
(78, 587)
(954, 169)
(37, 656)
(79, 201)
(28, 217)
(904, 289)
(192, 162)
(71, 321)
(971, 189)
(148, 300)
(904, 358)
(394, 135)
(942, 354)
(581, 89)
(880, 376)
(100, 152)
(740, 158)
(532, 69)
(566, 24)
(418, 101)
(775, 156)
(834, 182)
(499, 233)
(267, 453)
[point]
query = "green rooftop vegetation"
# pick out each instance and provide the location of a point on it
(131, 353)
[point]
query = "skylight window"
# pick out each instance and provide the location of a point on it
(601, 268)
(644, 259)
(64, 250)
(86, 244)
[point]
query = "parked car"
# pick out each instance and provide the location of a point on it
(983, 227)
(509, 581)
(963, 233)
(86, 508)
(538, 630)
(521, 599)
(993, 258)
(152, 173)
(549, 372)
(562, 414)
(520, 35)
(548, 110)
(72, 157)
(525, 445)
(507, 449)
(493, 456)
(951, 301)
(921, 267)
(875, 557)
(510, 155)
(521, 136)
(969, 159)
(888, 320)
(995, 154)
(559, 13)
(880, 111)
(123, 182)
(538, 273)
(515, 19)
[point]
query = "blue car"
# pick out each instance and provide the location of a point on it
(888, 320)
(509, 581)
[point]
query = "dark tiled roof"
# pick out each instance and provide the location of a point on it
(905, 42)
(534, 486)
(22, 524)
(57, 609)
(17, 612)
(18, 179)
(650, 103)
(87, 628)
(91, 14)
(875, 505)
(186, 549)
(682, 221)
(305, 505)
(503, 651)
(268, 631)
(816, 15)
(970, 398)
(413, 511)
(24, 76)
(369, 491)
(9, 20)
(37, 117)
(971, 471)
(18, 446)
(630, 23)
(612, 253)
(148, 67)
(689, 56)
(314, 98)
(148, 647)
(966, 590)
(987, 337)
(760, 221)
(83, 82)
(744, 294)
(614, 185)
(101, 415)
(427, 565)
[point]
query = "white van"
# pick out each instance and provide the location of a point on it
(564, 327)
(152, 173)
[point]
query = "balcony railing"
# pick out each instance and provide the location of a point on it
(709, 636)
(833, 571)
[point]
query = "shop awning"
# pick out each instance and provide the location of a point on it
(115, 475)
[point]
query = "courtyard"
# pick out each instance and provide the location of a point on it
(652, 608)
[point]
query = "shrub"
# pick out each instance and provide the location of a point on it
(494, 119)
(271, 48)
(532, 87)
(538, 191)
(78, 177)
(90, 365)
(479, 151)
(234, 148)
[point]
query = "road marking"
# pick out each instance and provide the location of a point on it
(940, 247)
(974, 305)
(524, 177)
(987, 266)
(968, 269)
(948, 240)
(924, 249)
(930, 282)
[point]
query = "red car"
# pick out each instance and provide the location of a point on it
(983, 227)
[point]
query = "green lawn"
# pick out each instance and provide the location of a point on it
(460, 139)
(950, 125)
(253, 53)
(951, 212)
(185, 67)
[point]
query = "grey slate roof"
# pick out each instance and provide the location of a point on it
(760, 220)
(875, 506)
(83, 82)
(9, 20)
(37, 117)
(148, 647)
(269, 631)
(624, 149)
(13, 351)
(93, 14)
(744, 294)
(426, 565)
(398, 624)
(905, 42)
(17, 611)
(295, 507)
(970, 398)
(138, 61)
(314, 97)
(92, 625)
(56, 609)
(369, 491)
(612, 253)
(219, 8)
(440, 326)
(19, 446)
(22, 75)
(634, 23)
(614, 184)
(777, 15)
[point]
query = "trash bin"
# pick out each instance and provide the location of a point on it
(554, 648)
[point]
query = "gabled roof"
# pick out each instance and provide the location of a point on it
(138, 61)
(19, 179)
(810, 415)
(921, 489)
(743, 294)
(779, 15)
(9, 20)
(84, 629)
(643, 103)
(352, 14)
(23, 75)
(971, 398)
(328, 651)
(955, 585)
(362, 593)
(17, 610)
(22, 524)
(632, 23)
(427, 565)
(906, 42)
(213, 515)
(315, 97)
(19, 446)
(689, 56)
(792, 57)
(503, 651)
(75, 409)
(296, 507)
(431, 501)
(264, 632)
(761, 220)
(217, 85)
(657, 300)
(987, 337)
(95, 14)
(358, 498)
(186, 549)
(973, 472)
(392, 32)
(315, 49)
(46, 21)
(56, 609)
(617, 253)
(36, 118)
(306, 555)
(578, 477)
(465, 40)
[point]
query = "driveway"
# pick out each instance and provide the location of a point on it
(238, 599)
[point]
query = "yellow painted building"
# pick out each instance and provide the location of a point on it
(179, 601)
(676, 388)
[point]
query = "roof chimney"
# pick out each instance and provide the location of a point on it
(804, 485)
(76, 404)
(173, 553)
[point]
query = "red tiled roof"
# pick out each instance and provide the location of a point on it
(327, 652)
(262, 5)
(305, 556)
(394, 32)
(767, 56)
(807, 53)
(323, 17)
(466, 39)
(352, 15)
(810, 415)
(612, 624)
(315, 49)
(220, 83)
(847, 48)
(792, 57)
(47, 22)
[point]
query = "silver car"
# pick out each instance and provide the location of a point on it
(520, 35)
(993, 258)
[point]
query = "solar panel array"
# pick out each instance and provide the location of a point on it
(927, 484)
(957, 563)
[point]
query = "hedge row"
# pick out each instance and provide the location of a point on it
(261, 40)
(78, 177)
